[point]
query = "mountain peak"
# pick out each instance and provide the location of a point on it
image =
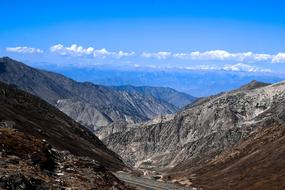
(253, 85)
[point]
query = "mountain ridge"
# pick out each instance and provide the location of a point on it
(43, 148)
(30, 114)
(197, 133)
(178, 99)
(110, 104)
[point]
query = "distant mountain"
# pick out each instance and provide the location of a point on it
(199, 83)
(178, 99)
(82, 100)
(43, 147)
(217, 134)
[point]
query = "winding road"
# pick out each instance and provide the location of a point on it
(148, 184)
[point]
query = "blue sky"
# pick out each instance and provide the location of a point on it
(194, 35)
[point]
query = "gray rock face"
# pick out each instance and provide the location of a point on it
(90, 104)
(197, 133)
(178, 99)
(136, 108)
(83, 113)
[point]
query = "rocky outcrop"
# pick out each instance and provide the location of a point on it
(199, 132)
(84, 100)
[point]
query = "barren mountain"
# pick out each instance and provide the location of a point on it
(198, 133)
(79, 100)
(257, 162)
(31, 115)
(43, 147)
(178, 99)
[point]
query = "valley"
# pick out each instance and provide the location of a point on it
(151, 134)
(142, 95)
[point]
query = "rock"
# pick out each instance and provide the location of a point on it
(20, 182)
(58, 169)
(7, 124)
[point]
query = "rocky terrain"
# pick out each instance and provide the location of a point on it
(31, 115)
(196, 135)
(30, 163)
(84, 113)
(91, 105)
(257, 162)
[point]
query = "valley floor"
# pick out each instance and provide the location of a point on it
(148, 184)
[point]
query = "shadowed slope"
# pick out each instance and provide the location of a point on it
(33, 116)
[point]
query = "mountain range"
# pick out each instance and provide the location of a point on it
(231, 140)
(178, 99)
(199, 83)
(92, 105)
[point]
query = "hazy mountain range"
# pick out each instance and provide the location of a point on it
(90, 104)
(194, 82)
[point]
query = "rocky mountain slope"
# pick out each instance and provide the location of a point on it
(80, 100)
(27, 162)
(84, 113)
(30, 115)
(178, 99)
(255, 163)
(198, 133)
(42, 148)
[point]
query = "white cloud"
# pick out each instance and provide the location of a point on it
(241, 67)
(101, 53)
(215, 54)
(76, 50)
(279, 58)
(73, 50)
(182, 55)
(223, 55)
(262, 57)
(124, 54)
(137, 66)
(202, 67)
(56, 48)
(219, 55)
(24, 49)
(104, 53)
(157, 55)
